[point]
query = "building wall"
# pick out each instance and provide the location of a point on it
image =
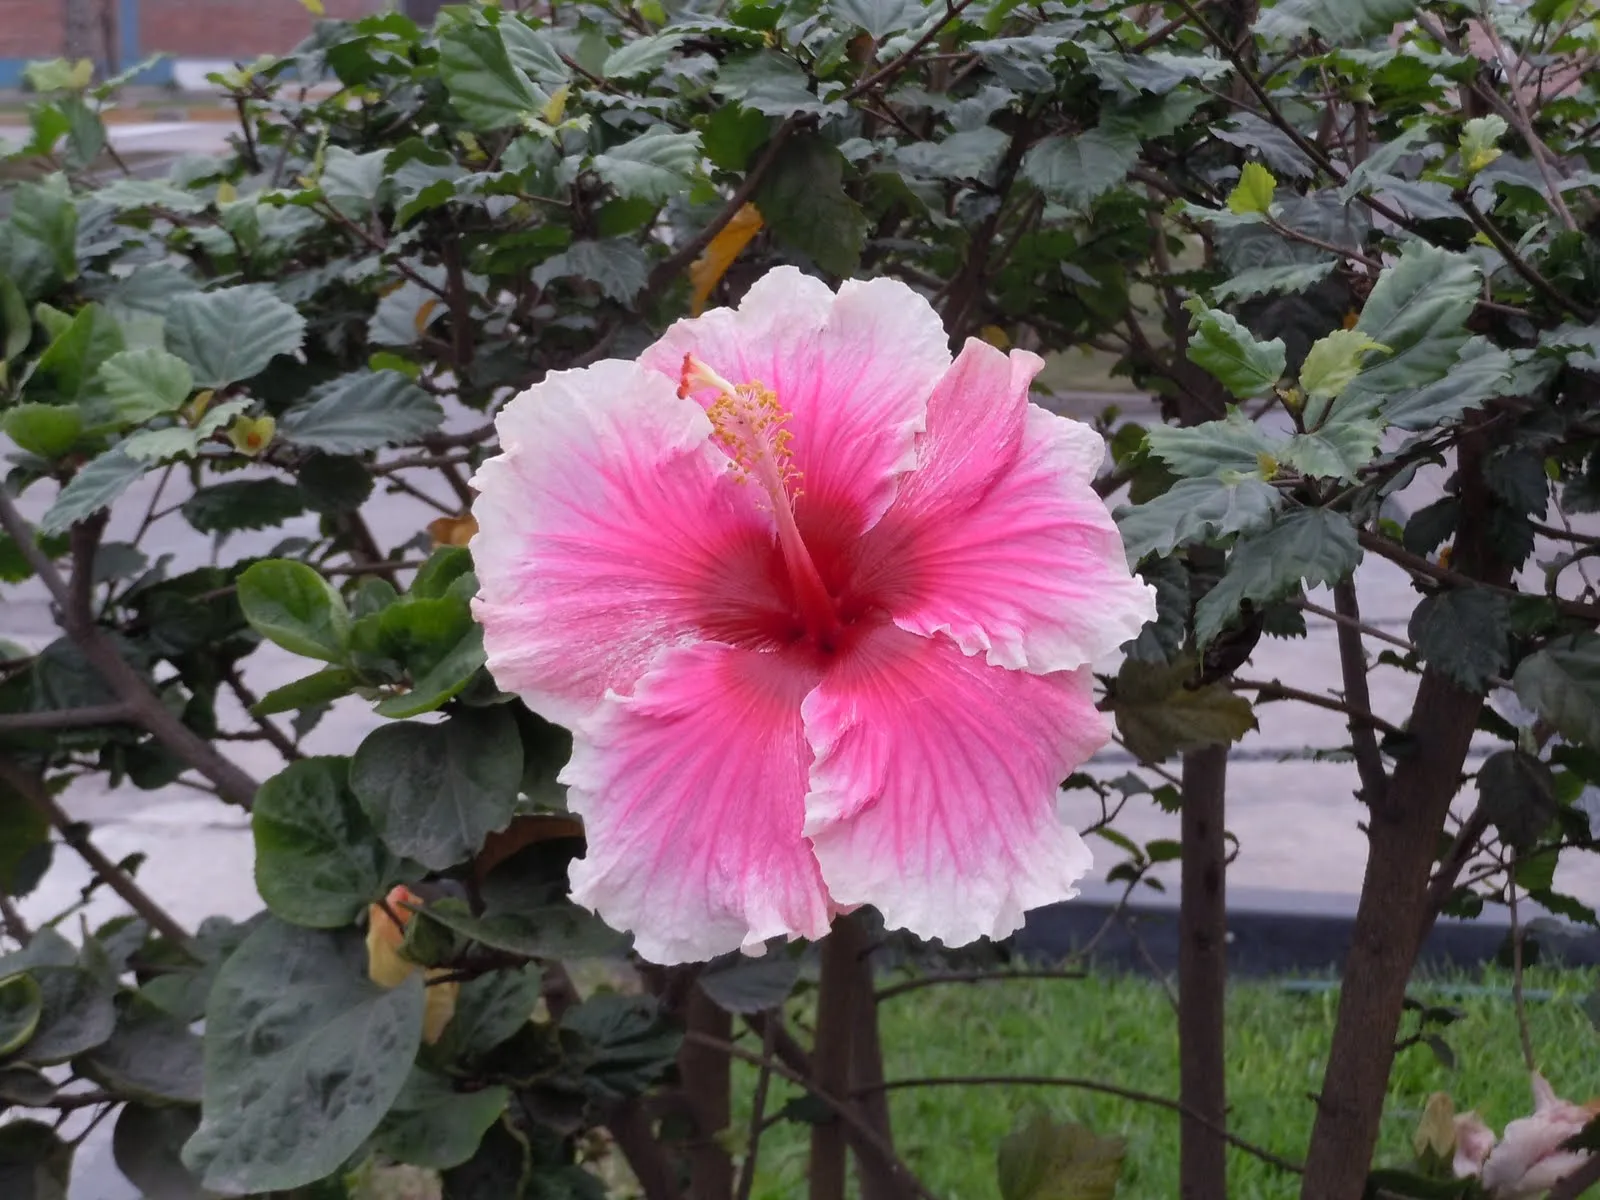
(30, 28)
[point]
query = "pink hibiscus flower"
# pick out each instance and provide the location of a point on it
(817, 604)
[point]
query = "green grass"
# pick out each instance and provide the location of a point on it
(1121, 1030)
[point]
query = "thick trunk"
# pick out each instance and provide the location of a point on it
(707, 1075)
(831, 1058)
(1203, 976)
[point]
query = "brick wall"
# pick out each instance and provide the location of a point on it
(227, 29)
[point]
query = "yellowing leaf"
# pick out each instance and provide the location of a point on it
(1042, 1159)
(226, 193)
(1435, 1138)
(555, 107)
(423, 314)
(1159, 714)
(995, 336)
(1334, 360)
(250, 435)
(315, 8)
(708, 270)
(1480, 142)
(452, 531)
(1254, 191)
(388, 967)
(198, 406)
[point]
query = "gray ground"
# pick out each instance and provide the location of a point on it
(1300, 845)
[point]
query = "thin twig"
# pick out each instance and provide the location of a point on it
(1455, 860)
(1518, 1001)
(86, 717)
(1269, 688)
(901, 61)
(248, 699)
(1353, 666)
(11, 921)
(843, 1110)
(1107, 1089)
(758, 1108)
(1340, 619)
(33, 793)
(1418, 565)
(1519, 264)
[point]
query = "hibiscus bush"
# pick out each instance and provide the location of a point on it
(754, 606)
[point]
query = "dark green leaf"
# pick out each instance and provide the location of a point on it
(290, 604)
(880, 17)
(334, 483)
(1234, 445)
(1078, 169)
(303, 1057)
(485, 86)
(320, 688)
(549, 931)
(1562, 684)
(618, 265)
(66, 371)
(1517, 795)
(738, 983)
(35, 1164)
(623, 1044)
(803, 201)
(1481, 371)
(434, 1125)
(1336, 20)
(641, 56)
(1463, 633)
(434, 792)
(21, 1004)
(231, 334)
(656, 165)
(1310, 545)
(76, 1013)
(16, 326)
(148, 1144)
(732, 134)
(25, 1086)
(490, 1010)
(152, 1056)
(318, 861)
(243, 504)
(440, 682)
(361, 411)
(770, 83)
(1223, 346)
(44, 212)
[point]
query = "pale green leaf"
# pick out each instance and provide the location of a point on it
(654, 166)
(145, 382)
(1234, 444)
(1253, 193)
(641, 56)
(1222, 345)
(1195, 510)
(231, 334)
(94, 487)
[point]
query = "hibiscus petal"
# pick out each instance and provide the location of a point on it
(608, 527)
(854, 369)
(996, 538)
(692, 793)
(933, 793)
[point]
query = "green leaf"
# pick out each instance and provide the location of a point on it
(303, 1057)
(1223, 346)
(318, 861)
(641, 56)
(770, 83)
(35, 1164)
(435, 792)
(1042, 1159)
(433, 1125)
(76, 1012)
(1078, 169)
(20, 1005)
(352, 182)
(334, 483)
(1254, 191)
(1481, 372)
(533, 51)
(289, 604)
(45, 212)
(879, 17)
(94, 487)
(145, 382)
(322, 687)
(1562, 684)
(732, 134)
(490, 1010)
(618, 265)
(803, 201)
(152, 1057)
(231, 334)
(16, 326)
(1195, 510)
(1480, 142)
(1234, 444)
(1336, 20)
(486, 87)
(1463, 633)
(25, 1086)
(1517, 795)
(48, 430)
(625, 1045)
(1262, 281)
(738, 983)
(1418, 309)
(25, 846)
(555, 930)
(444, 566)
(1337, 450)
(656, 165)
(69, 363)
(243, 504)
(1159, 715)
(442, 681)
(1309, 545)
(361, 411)
(147, 1145)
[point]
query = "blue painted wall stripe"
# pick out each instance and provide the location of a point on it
(159, 75)
(128, 28)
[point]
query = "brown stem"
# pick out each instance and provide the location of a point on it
(77, 618)
(758, 1108)
(831, 1055)
(11, 922)
(1579, 1182)
(1271, 688)
(1524, 124)
(1456, 859)
(280, 740)
(862, 1134)
(877, 1181)
(1418, 565)
(1203, 977)
(1094, 1085)
(1353, 667)
(707, 1080)
(630, 1127)
(1340, 619)
(33, 793)
(1518, 1000)
(86, 717)
(1518, 263)
(922, 981)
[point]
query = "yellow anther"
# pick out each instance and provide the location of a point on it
(748, 423)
